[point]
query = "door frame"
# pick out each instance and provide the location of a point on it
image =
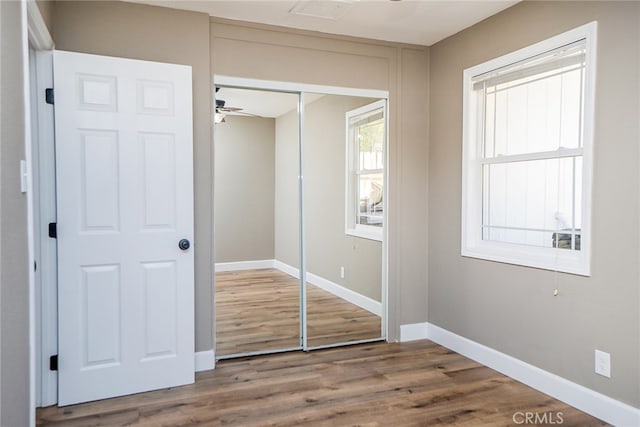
(41, 201)
(301, 89)
(46, 254)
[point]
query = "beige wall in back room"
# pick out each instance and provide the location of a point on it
(244, 189)
(510, 308)
(165, 35)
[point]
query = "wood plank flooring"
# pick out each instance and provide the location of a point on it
(259, 310)
(410, 384)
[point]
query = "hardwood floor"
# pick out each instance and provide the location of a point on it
(410, 384)
(256, 310)
(259, 310)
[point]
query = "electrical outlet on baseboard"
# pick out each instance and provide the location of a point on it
(603, 363)
(342, 272)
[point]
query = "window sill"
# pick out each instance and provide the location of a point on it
(370, 233)
(561, 260)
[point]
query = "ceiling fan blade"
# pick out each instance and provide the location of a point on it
(249, 114)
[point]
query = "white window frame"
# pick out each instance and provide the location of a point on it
(352, 227)
(569, 261)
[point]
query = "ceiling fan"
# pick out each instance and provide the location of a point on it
(221, 109)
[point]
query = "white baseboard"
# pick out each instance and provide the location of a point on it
(355, 298)
(604, 407)
(412, 332)
(204, 360)
(243, 265)
(286, 268)
(371, 305)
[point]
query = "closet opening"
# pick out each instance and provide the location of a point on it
(300, 201)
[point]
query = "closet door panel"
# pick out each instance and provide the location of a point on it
(343, 168)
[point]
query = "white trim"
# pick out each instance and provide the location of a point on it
(27, 115)
(385, 232)
(413, 332)
(241, 82)
(42, 301)
(543, 155)
(472, 245)
(38, 32)
(302, 237)
(243, 265)
(362, 301)
(47, 332)
(204, 360)
(368, 232)
(340, 291)
(286, 268)
(597, 404)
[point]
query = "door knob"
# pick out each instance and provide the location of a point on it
(184, 244)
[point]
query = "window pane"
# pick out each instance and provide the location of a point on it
(534, 110)
(527, 202)
(370, 145)
(370, 199)
(532, 238)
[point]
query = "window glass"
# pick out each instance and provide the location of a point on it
(528, 202)
(534, 111)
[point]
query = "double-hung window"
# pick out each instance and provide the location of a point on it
(527, 144)
(365, 143)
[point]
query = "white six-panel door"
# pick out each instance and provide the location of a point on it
(124, 199)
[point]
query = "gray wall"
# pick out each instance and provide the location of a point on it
(46, 10)
(287, 205)
(272, 53)
(165, 35)
(244, 189)
(14, 269)
(510, 308)
(327, 246)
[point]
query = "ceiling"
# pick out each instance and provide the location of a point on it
(421, 22)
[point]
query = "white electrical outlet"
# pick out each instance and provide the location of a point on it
(342, 272)
(24, 177)
(603, 363)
